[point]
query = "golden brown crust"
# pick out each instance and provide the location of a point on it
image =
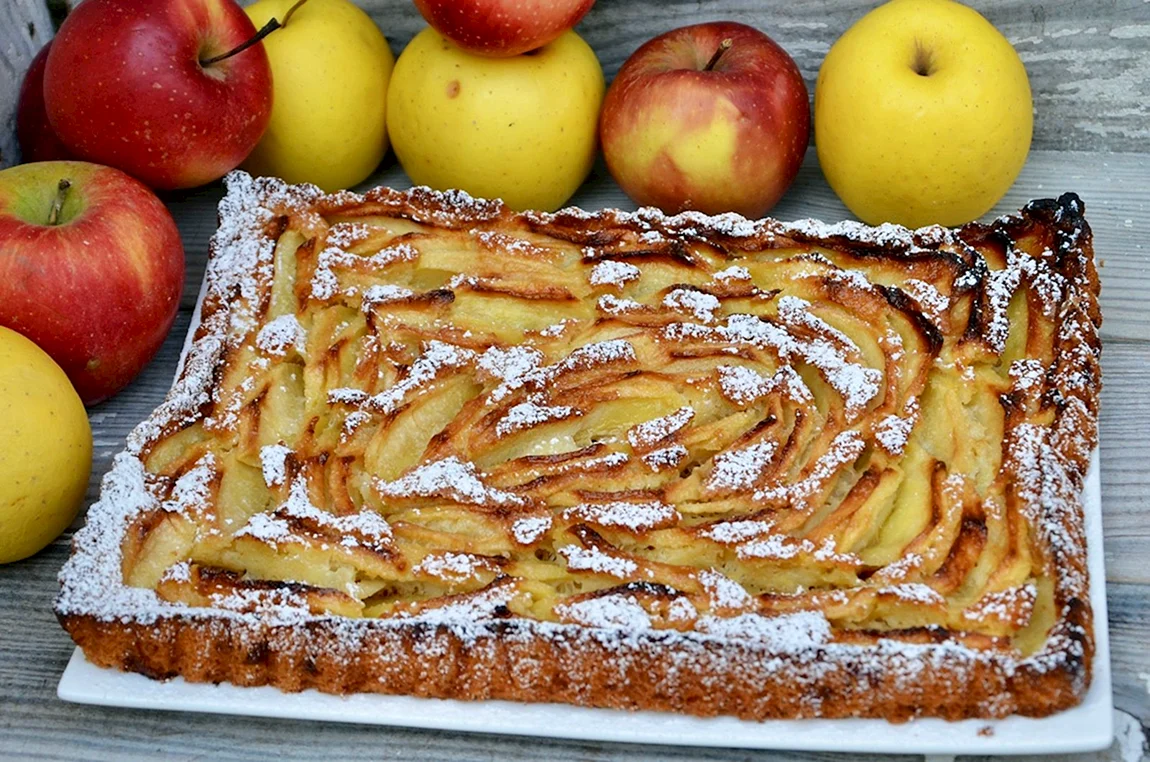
(782, 674)
(608, 672)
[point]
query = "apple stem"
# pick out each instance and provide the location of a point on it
(58, 202)
(272, 25)
(724, 46)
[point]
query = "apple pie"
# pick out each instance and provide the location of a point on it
(423, 445)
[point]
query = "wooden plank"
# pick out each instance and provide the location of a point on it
(24, 28)
(1124, 425)
(1129, 656)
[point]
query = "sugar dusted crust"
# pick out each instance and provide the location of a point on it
(772, 662)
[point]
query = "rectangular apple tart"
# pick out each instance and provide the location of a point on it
(424, 445)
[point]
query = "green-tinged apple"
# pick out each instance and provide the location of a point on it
(502, 28)
(140, 85)
(712, 117)
(91, 269)
(38, 141)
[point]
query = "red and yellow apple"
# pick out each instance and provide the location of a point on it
(91, 269)
(38, 141)
(502, 28)
(713, 117)
(129, 83)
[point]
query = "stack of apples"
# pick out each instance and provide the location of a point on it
(499, 98)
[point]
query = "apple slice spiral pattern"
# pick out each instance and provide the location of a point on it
(424, 404)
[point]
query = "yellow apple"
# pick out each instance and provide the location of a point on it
(923, 114)
(330, 70)
(45, 449)
(521, 128)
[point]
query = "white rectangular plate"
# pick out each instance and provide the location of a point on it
(1086, 727)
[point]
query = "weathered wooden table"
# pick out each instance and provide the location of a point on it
(1089, 64)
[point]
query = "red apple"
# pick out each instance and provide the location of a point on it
(126, 85)
(713, 117)
(502, 28)
(91, 272)
(38, 142)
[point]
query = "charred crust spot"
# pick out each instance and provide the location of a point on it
(654, 590)
(134, 663)
(440, 297)
(899, 299)
(276, 226)
(588, 536)
(257, 654)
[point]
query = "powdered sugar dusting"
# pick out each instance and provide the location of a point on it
(739, 469)
(596, 561)
(731, 532)
(915, 592)
(588, 356)
(530, 529)
(844, 449)
(665, 458)
(723, 591)
(785, 634)
(449, 478)
(893, 431)
(634, 517)
(273, 459)
(734, 272)
(612, 273)
(933, 302)
(857, 383)
(701, 305)
(384, 293)
(527, 415)
(650, 433)
(606, 611)
(280, 335)
(437, 358)
(744, 386)
(451, 567)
